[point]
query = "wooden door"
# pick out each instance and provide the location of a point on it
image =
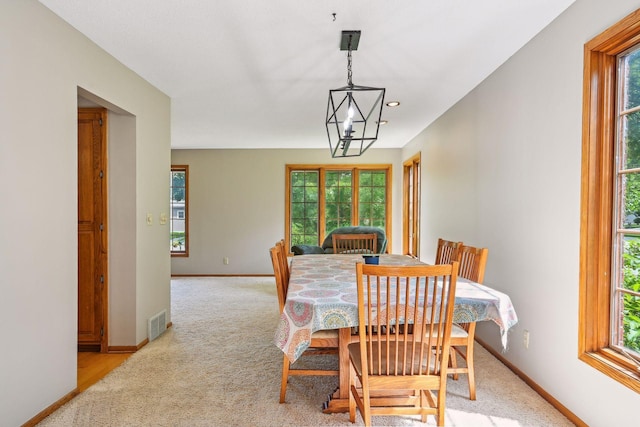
(92, 230)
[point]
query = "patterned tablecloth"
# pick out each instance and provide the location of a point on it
(322, 295)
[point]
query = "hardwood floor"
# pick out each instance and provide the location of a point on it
(94, 366)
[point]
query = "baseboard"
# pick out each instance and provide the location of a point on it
(90, 348)
(51, 409)
(123, 349)
(535, 386)
(56, 405)
(132, 348)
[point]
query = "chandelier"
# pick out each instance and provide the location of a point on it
(353, 112)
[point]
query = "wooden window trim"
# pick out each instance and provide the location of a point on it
(598, 139)
(412, 166)
(185, 253)
(322, 168)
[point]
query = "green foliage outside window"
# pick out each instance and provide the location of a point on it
(372, 198)
(338, 195)
(630, 186)
(178, 184)
(338, 202)
(304, 208)
(178, 240)
(631, 303)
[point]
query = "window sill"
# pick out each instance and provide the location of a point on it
(613, 365)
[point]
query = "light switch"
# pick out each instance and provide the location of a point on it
(163, 218)
(149, 219)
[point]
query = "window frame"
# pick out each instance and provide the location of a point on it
(185, 169)
(598, 180)
(322, 169)
(411, 206)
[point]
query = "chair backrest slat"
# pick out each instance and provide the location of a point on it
(447, 251)
(355, 243)
(472, 263)
(407, 313)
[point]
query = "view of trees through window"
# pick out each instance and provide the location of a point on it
(626, 321)
(304, 207)
(178, 201)
(350, 196)
(338, 199)
(372, 198)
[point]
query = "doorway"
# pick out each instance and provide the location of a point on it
(92, 230)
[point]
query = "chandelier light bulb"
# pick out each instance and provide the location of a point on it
(347, 127)
(348, 123)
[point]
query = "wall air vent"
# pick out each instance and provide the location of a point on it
(157, 325)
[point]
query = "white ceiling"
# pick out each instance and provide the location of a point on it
(257, 73)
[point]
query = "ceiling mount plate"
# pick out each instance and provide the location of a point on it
(350, 36)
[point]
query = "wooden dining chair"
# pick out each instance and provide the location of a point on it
(447, 251)
(284, 259)
(322, 342)
(355, 243)
(394, 371)
(473, 262)
(472, 265)
(281, 284)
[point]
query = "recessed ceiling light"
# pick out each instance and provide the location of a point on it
(393, 103)
(383, 122)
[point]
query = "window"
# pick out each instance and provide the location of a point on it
(338, 191)
(372, 198)
(179, 203)
(303, 209)
(320, 199)
(411, 207)
(609, 323)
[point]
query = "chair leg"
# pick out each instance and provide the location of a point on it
(366, 404)
(471, 374)
(470, 365)
(441, 403)
(453, 362)
(285, 377)
(352, 407)
(352, 400)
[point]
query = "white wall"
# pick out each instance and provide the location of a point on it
(510, 152)
(43, 62)
(236, 204)
(122, 230)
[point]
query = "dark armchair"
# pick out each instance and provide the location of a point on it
(327, 245)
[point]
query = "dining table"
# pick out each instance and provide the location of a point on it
(322, 294)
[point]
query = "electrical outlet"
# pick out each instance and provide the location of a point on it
(225, 260)
(525, 339)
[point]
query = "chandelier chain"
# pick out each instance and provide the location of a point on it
(349, 72)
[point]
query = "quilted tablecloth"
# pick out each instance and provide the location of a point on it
(322, 295)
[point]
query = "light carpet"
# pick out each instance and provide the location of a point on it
(218, 366)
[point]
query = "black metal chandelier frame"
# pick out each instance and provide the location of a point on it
(356, 109)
